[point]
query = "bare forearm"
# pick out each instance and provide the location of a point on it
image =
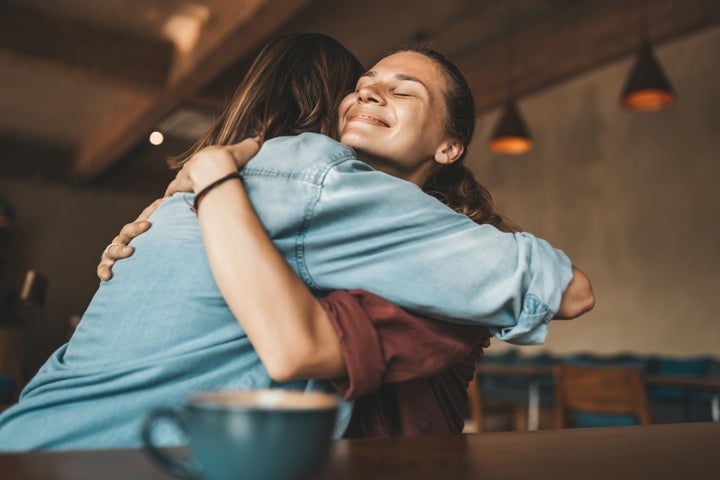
(287, 326)
(578, 297)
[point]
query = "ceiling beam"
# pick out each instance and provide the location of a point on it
(572, 39)
(32, 37)
(233, 29)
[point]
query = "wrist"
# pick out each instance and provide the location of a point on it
(212, 185)
(212, 168)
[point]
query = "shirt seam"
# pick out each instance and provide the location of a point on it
(309, 215)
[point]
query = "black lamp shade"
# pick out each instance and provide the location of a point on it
(647, 88)
(511, 136)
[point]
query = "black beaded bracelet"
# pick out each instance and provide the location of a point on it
(199, 196)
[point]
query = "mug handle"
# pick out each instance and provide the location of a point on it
(167, 461)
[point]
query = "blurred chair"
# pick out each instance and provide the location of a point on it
(486, 413)
(32, 298)
(475, 422)
(599, 393)
(670, 404)
(511, 392)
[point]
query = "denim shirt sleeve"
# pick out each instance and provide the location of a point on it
(369, 230)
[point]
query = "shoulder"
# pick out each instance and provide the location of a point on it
(317, 143)
(306, 154)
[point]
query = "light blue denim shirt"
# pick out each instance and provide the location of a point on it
(343, 225)
(160, 329)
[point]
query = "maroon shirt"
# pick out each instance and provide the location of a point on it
(408, 374)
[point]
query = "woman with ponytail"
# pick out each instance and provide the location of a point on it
(223, 291)
(408, 98)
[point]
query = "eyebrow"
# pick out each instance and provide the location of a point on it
(398, 76)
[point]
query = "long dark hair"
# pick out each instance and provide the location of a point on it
(294, 85)
(454, 184)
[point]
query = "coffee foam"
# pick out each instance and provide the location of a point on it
(275, 399)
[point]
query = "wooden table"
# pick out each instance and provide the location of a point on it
(655, 451)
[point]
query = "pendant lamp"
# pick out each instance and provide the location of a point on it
(647, 88)
(511, 135)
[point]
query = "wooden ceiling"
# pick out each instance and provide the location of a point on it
(83, 82)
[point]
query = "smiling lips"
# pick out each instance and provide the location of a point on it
(366, 118)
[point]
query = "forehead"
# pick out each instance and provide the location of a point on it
(412, 64)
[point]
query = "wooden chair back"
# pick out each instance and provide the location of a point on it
(475, 404)
(607, 390)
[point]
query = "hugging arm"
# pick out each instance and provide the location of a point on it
(578, 297)
(410, 249)
(417, 254)
(287, 326)
(295, 335)
(379, 342)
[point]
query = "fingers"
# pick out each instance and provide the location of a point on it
(209, 163)
(117, 251)
(242, 152)
(149, 210)
(104, 271)
(114, 251)
(128, 232)
(171, 188)
(181, 183)
(119, 248)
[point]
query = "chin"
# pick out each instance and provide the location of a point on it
(354, 140)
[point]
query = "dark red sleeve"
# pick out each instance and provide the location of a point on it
(426, 406)
(382, 343)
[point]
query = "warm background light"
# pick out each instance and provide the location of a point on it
(511, 145)
(648, 100)
(156, 138)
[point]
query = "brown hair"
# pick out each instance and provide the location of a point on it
(454, 184)
(294, 85)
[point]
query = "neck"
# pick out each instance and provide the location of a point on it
(419, 175)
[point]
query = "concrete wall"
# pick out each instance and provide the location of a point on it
(632, 198)
(60, 232)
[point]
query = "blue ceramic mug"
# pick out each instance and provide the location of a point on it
(263, 435)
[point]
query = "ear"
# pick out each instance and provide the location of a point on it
(449, 151)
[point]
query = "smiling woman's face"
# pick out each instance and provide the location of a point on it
(395, 118)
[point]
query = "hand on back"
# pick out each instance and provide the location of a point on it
(210, 164)
(204, 167)
(119, 248)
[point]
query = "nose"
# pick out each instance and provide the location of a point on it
(369, 94)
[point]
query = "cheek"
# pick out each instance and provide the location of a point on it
(344, 106)
(414, 124)
(432, 126)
